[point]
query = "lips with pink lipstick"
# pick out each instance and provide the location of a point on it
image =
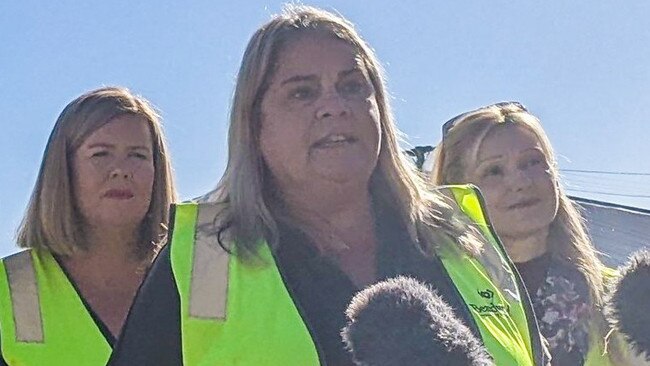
(333, 141)
(523, 204)
(119, 194)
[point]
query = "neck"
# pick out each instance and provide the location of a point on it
(342, 211)
(114, 242)
(338, 221)
(342, 226)
(325, 198)
(108, 250)
(522, 248)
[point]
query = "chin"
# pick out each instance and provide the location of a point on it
(523, 224)
(346, 171)
(345, 178)
(517, 229)
(125, 220)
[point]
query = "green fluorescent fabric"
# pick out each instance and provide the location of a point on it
(237, 314)
(487, 285)
(260, 326)
(43, 320)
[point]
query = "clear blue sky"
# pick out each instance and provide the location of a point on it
(583, 67)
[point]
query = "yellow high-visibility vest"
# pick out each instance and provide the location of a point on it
(43, 321)
(238, 314)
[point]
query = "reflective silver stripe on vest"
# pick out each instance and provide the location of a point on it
(209, 283)
(23, 290)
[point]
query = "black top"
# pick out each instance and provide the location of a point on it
(533, 272)
(151, 335)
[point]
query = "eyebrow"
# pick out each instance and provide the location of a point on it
(298, 78)
(490, 159)
(496, 157)
(351, 71)
(312, 77)
(111, 146)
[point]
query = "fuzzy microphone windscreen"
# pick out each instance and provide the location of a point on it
(629, 303)
(400, 322)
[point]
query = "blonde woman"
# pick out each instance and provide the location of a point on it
(317, 202)
(92, 227)
(503, 149)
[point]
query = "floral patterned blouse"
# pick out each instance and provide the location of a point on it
(560, 297)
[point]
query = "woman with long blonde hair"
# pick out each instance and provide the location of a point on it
(503, 149)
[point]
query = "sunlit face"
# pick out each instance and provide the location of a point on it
(320, 120)
(513, 174)
(114, 172)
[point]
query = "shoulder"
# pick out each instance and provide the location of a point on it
(20, 256)
(207, 218)
(21, 264)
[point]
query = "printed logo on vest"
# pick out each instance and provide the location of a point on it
(486, 294)
(491, 307)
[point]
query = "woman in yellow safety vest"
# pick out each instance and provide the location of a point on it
(317, 202)
(503, 149)
(91, 230)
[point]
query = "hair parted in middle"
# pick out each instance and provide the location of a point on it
(52, 220)
(453, 158)
(568, 238)
(245, 186)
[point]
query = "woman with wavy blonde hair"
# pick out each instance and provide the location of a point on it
(93, 225)
(503, 149)
(317, 202)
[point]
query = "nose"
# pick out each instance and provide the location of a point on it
(520, 180)
(121, 173)
(332, 105)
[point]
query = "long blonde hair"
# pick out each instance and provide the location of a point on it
(51, 220)
(245, 187)
(568, 237)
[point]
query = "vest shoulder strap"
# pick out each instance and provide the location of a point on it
(23, 290)
(208, 292)
(470, 209)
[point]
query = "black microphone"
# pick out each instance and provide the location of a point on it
(629, 304)
(400, 322)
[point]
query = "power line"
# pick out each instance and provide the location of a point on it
(609, 193)
(421, 153)
(604, 172)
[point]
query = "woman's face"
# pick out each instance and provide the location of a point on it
(114, 172)
(513, 174)
(320, 120)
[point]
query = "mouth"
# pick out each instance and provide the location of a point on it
(524, 204)
(118, 194)
(333, 141)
